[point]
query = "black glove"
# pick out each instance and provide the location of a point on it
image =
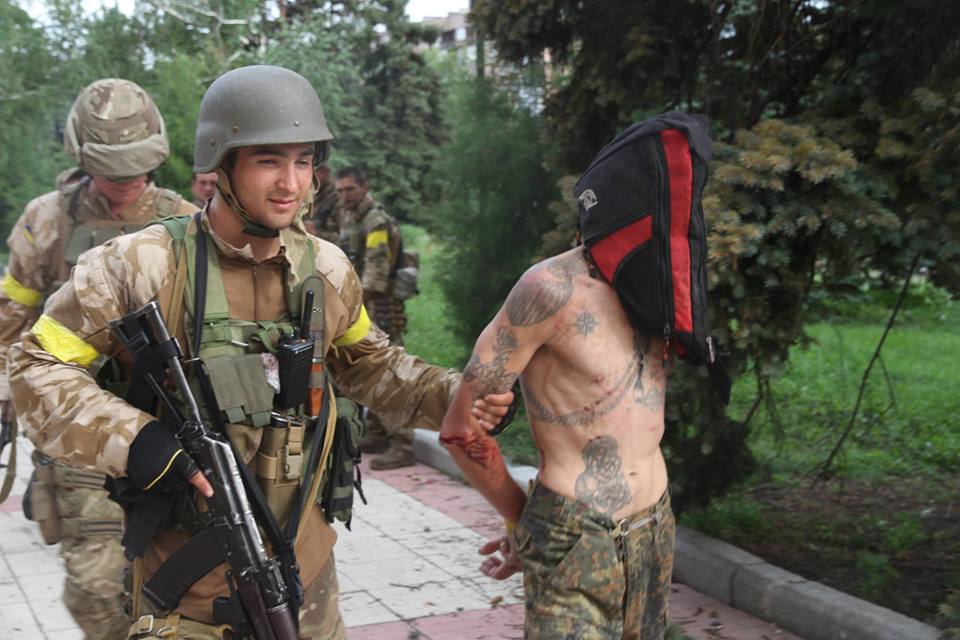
(156, 461)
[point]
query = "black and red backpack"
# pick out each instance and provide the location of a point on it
(641, 220)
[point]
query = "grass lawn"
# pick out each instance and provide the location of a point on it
(886, 526)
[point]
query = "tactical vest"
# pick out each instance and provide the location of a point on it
(235, 355)
(82, 235)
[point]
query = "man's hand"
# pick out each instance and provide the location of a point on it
(157, 462)
(490, 409)
(503, 565)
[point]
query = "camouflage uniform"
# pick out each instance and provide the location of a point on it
(324, 220)
(45, 244)
(372, 240)
(70, 418)
(586, 576)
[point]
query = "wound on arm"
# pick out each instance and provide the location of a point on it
(479, 447)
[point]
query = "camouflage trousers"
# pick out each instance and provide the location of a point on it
(374, 425)
(90, 527)
(586, 576)
(319, 617)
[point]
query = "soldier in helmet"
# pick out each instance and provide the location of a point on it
(250, 261)
(372, 240)
(117, 137)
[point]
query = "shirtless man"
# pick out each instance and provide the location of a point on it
(595, 536)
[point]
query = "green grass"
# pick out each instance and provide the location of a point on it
(907, 423)
(431, 331)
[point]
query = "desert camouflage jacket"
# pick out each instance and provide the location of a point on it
(40, 258)
(70, 418)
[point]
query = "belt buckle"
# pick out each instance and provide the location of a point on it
(145, 624)
(620, 529)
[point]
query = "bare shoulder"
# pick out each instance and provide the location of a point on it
(545, 289)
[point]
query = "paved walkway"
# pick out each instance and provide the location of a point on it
(408, 570)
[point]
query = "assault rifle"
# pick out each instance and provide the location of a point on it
(258, 591)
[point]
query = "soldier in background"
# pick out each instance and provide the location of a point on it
(371, 239)
(203, 186)
(324, 220)
(117, 137)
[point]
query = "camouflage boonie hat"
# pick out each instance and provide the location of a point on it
(115, 130)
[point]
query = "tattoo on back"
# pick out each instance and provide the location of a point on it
(544, 291)
(602, 484)
(493, 377)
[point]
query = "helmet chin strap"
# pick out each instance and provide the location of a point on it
(250, 228)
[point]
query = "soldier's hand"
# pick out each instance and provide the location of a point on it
(504, 565)
(491, 409)
(157, 462)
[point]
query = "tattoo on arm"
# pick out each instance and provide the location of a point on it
(493, 377)
(602, 484)
(544, 291)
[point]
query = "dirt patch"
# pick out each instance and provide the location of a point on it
(896, 544)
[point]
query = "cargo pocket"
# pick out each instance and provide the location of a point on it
(43, 504)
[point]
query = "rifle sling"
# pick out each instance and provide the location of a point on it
(200, 555)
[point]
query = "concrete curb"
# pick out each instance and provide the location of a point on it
(744, 581)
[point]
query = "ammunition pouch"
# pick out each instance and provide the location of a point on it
(241, 388)
(279, 462)
(343, 466)
(43, 502)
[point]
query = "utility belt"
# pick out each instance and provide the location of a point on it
(176, 627)
(62, 500)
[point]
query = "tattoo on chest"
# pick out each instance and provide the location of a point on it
(545, 291)
(602, 484)
(586, 323)
(649, 395)
(493, 377)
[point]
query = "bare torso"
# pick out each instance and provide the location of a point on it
(594, 390)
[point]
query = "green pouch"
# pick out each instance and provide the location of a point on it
(343, 470)
(241, 387)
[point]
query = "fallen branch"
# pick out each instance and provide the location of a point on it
(824, 470)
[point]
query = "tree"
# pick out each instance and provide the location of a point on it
(29, 147)
(495, 195)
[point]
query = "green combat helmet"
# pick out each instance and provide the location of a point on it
(115, 130)
(257, 105)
